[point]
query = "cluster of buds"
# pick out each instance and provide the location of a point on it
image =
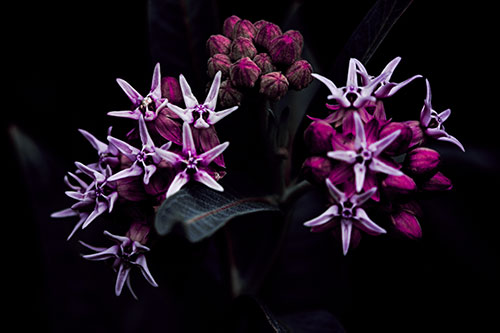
(369, 164)
(257, 55)
(172, 142)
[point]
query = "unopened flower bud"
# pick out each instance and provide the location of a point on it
(244, 28)
(259, 24)
(138, 232)
(273, 85)
(402, 141)
(407, 224)
(417, 137)
(244, 73)
(266, 34)
(171, 90)
(318, 137)
(228, 26)
(422, 160)
(316, 169)
(297, 37)
(299, 74)
(263, 60)
(438, 182)
(399, 184)
(218, 44)
(284, 50)
(242, 47)
(218, 62)
(228, 95)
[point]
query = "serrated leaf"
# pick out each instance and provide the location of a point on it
(201, 211)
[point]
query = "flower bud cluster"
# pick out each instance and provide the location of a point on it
(257, 56)
(358, 152)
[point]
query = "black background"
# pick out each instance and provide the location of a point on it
(62, 61)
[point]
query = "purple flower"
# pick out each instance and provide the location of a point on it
(348, 213)
(352, 95)
(200, 115)
(365, 153)
(148, 106)
(386, 88)
(432, 122)
(145, 160)
(127, 254)
(108, 153)
(93, 199)
(190, 165)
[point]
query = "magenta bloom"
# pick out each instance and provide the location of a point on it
(347, 212)
(93, 199)
(200, 115)
(190, 165)
(386, 88)
(145, 160)
(432, 122)
(364, 154)
(148, 106)
(127, 254)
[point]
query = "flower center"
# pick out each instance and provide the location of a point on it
(436, 121)
(364, 156)
(147, 104)
(141, 156)
(347, 209)
(191, 164)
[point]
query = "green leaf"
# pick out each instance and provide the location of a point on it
(201, 211)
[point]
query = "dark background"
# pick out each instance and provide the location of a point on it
(63, 58)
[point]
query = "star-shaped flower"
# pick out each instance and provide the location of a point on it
(432, 122)
(144, 160)
(365, 153)
(190, 165)
(148, 106)
(127, 254)
(386, 88)
(352, 95)
(93, 199)
(348, 213)
(108, 153)
(200, 115)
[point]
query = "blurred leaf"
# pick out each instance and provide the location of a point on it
(201, 211)
(312, 322)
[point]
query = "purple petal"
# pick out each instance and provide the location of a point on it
(188, 96)
(211, 100)
(169, 156)
(368, 225)
(325, 217)
(75, 195)
(346, 226)
(188, 145)
(347, 156)
(116, 238)
(144, 134)
(336, 194)
(453, 140)
(77, 226)
(124, 147)
(101, 147)
(184, 114)
(214, 117)
(91, 172)
(112, 252)
(445, 114)
(121, 278)
(207, 139)
(141, 261)
(93, 248)
(64, 213)
(134, 171)
(129, 286)
(360, 138)
(390, 67)
(111, 201)
(359, 176)
(156, 82)
(179, 181)
(400, 85)
(359, 199)
(352, 79)
(425, 114)
(336, 93)
(200, 123)
(132, 94)
(203, 177)
(100, 208)
(379, 166)
(149, 170)
(378, 147)
(209, 156)
(78, 180)
(135, 114)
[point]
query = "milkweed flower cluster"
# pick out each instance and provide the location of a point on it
(369, 163)
(172, 141)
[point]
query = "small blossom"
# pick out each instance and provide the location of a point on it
(201, 115)
(108, 153)
(432, 122)
(386, 88)
(365, 154)
(348, 212)
(190, 165)
(145, 161)
(126, 253)
(148, 106)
